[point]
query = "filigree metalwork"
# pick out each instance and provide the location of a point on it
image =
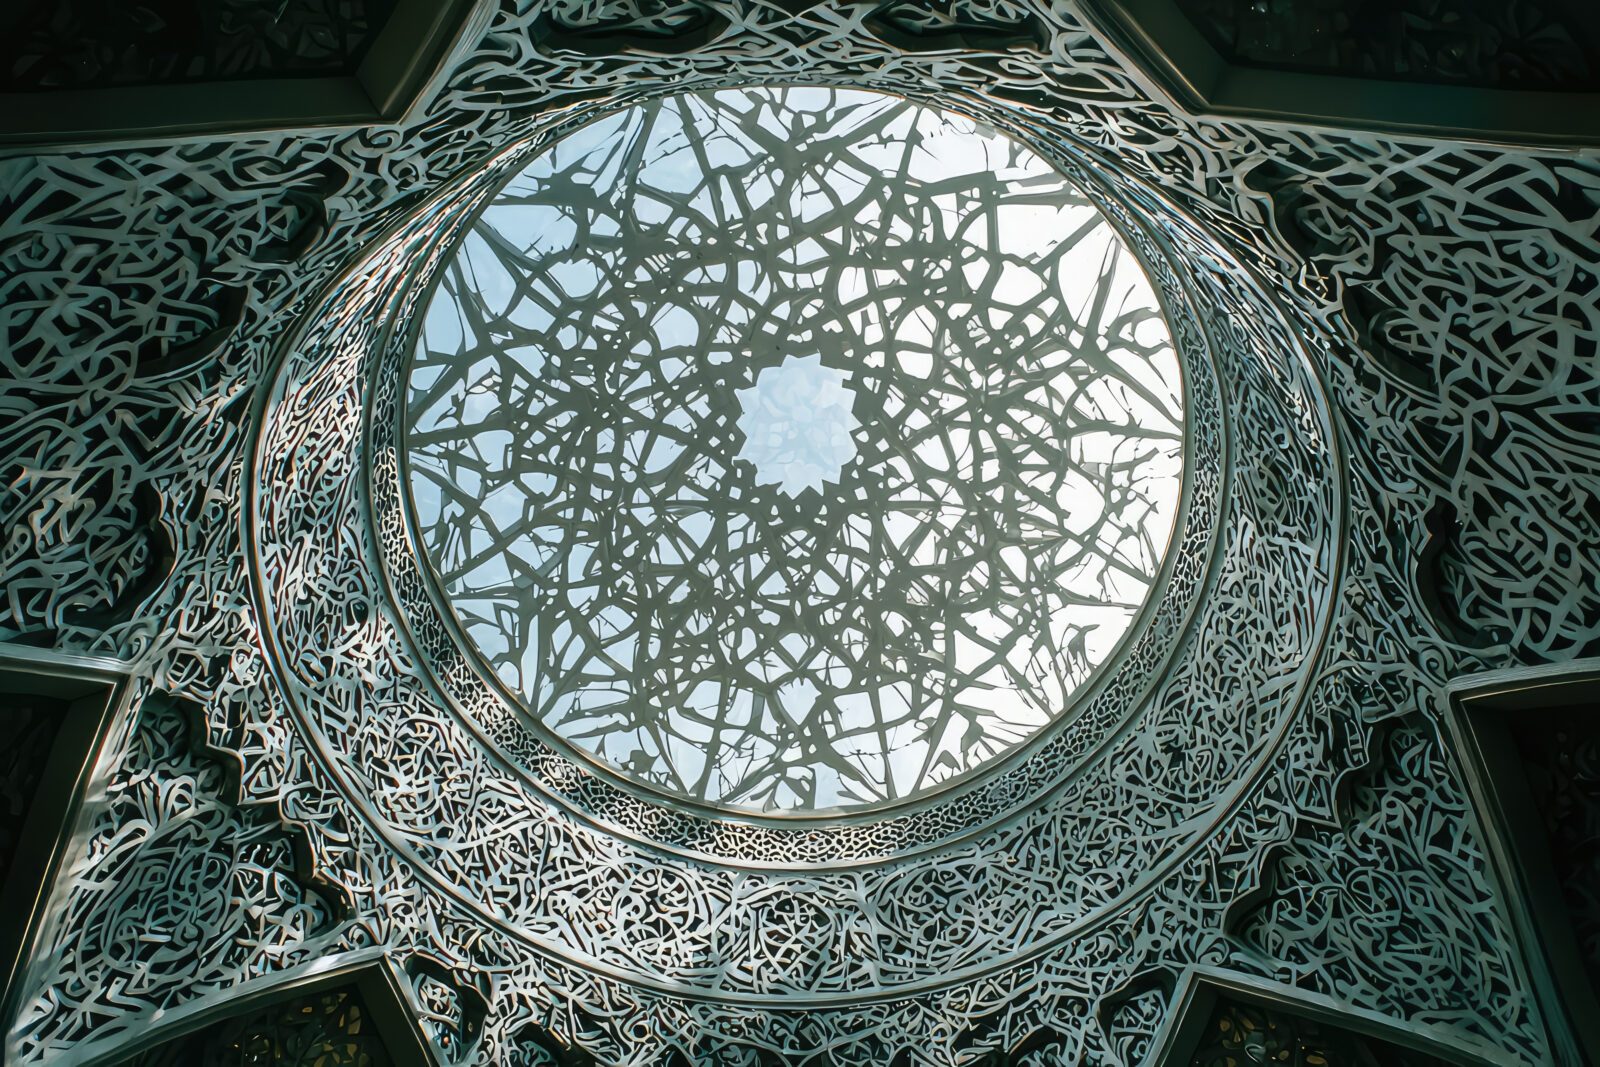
(1436, 292)
(1528, 44)
(347, 332)
(325, 1029)
(821, 930)
(1238, 1034)
(1132, 1022)
(1346, 900)
(907, 575)
(1471, 418)
(85, 44)
(1562, 765)
(217, 891)
(452, 1007)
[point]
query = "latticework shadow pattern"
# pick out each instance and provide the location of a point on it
(794, 448)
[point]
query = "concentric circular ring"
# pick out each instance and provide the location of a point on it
(437, 757)
(793, 449)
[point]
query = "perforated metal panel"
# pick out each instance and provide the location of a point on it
(1390, 382)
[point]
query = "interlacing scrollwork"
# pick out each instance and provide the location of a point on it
(87, 439)
(1471, 294)
(328, 1029)
(1131, 1019)
(342, 342)
(177, 892)
(83, 43)
(1344, 900)
(793, 480)
(1562, 767)
(201, 474)
(1240, 1033)
(452, 1005)
(1512, 44)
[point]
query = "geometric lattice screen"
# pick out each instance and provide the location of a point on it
(1527, 747)
(1241, 1034)
(57, 714)
(330, 1028)
(760, 511)
(763, 533)
(55, 47)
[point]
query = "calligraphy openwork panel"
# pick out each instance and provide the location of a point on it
(349, 439)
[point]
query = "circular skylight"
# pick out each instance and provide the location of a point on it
(795, 449)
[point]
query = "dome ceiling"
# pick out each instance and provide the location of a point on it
(290, 411)
(794, 448)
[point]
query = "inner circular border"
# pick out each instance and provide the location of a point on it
(371, 717)
(1167, 291)
(960, 806)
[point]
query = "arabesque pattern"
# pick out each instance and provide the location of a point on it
(1400, 330)
(82, 44)
(580, 452)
